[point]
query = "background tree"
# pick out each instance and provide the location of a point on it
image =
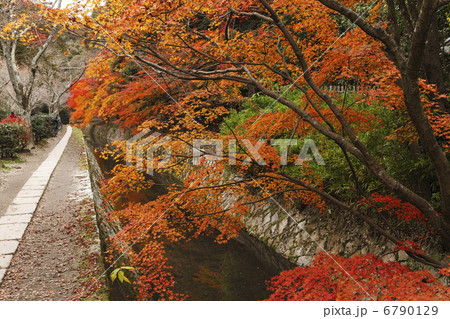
(60, 68)
(28, 29)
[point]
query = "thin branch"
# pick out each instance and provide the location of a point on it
(252, 14)
(406, 16)
(375, 32)
(267, 198)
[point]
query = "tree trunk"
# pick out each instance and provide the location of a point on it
(433, 66)
(412, 100)
(27, 118)
(410, 66)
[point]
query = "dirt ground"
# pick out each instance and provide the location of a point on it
(57, 257)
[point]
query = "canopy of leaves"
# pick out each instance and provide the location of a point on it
(188, 70)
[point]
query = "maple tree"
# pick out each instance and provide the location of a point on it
(184, 69)
(27, 30)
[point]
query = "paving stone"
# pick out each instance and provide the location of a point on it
(26, 200)
(2, 274)
(15, 219)
(50, 160)
(12, 231)
(48, 167)
(44, 171)
(21, 209)
(5, 260)
(30, 193)
(34, 187)
(8, 247)
(38, 179)
(42, 175)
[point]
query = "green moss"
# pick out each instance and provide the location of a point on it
(4, 164)
(78, 136)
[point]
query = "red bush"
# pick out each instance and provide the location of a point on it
(332, 277)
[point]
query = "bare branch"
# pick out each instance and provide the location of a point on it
(252, 14)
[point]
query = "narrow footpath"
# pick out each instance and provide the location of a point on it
(57, 258)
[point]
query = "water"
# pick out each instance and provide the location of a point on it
(206, 270)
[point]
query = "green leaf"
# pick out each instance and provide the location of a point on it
(121, 276)
(114, 274)
(128, 268)
(126, 280)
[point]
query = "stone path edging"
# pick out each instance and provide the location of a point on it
(14, 223)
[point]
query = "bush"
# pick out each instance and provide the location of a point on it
(43, 127)
(64, 114)
(3, 114)
(13, 137)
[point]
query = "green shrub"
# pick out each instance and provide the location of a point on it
(3, 114)
(43, 127)
(64, 114)
(336, 175)
(13, 139)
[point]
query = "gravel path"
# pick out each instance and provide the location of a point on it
(58, 256)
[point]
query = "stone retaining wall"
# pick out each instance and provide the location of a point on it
(106, 230)
(300, 235)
